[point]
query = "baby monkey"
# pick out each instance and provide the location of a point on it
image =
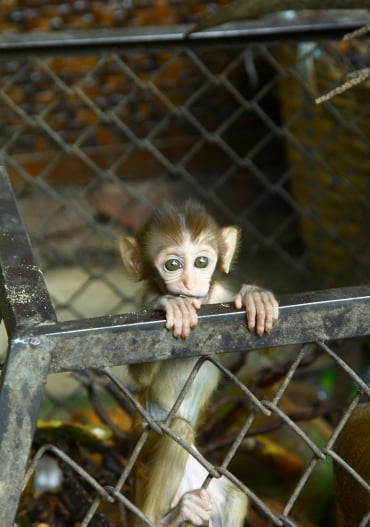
(182, 254)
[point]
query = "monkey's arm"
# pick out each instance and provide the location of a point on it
(261, 306)
(194, 507)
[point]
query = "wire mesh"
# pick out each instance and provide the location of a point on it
(92, 143)
(286, 427)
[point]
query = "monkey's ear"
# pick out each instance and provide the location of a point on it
(129, 250)
(230, 239)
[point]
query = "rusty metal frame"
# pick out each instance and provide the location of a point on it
(24, 304)
(93, 41)
(39, 344)
(139, 337)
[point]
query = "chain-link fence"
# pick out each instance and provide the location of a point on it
(97, 130)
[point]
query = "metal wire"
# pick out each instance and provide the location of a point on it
(88, 128)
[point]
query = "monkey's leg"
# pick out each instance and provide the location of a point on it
(165, 462)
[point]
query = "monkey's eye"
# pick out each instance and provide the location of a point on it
(201, 262)
(173, 264)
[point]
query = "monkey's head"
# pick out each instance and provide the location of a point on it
(180, 250)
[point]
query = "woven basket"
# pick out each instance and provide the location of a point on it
(328, 151)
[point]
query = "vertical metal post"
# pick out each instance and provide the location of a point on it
(21, 390)
(24, 303)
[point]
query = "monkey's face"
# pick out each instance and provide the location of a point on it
(187, 269)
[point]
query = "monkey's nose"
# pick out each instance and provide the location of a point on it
(188, 282)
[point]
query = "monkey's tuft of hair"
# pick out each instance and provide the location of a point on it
(171, 225)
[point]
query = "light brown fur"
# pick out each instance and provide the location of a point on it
(171, 477)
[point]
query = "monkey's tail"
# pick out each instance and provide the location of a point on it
(166, 469)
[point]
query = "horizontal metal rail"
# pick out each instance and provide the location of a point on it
(94, 41)
(138, 337)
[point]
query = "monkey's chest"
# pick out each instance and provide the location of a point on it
(171, 380)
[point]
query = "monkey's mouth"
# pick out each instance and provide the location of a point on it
(198, 297)
(197, 294)
(181, 295)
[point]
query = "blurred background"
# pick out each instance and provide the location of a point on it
(95, 137)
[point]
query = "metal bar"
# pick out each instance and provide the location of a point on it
(24, 303)
(138, 337)
(94, 41)
(24, 298)
(21, 390)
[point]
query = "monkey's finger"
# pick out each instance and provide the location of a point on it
(265, 312)
(268, 320)
(173, 317)
(181, 328)
(271, 311)
(201, 496)
(260, 317)
(262, 311)
(197, 507)
(198, 518)
(181, 317)
(168, 308)
(272, 316)
(195, 302)
(256, 313)
(238, 301)
(189, 319)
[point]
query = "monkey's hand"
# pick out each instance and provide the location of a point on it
(194, 507)
(261, 306)
(181, 313)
